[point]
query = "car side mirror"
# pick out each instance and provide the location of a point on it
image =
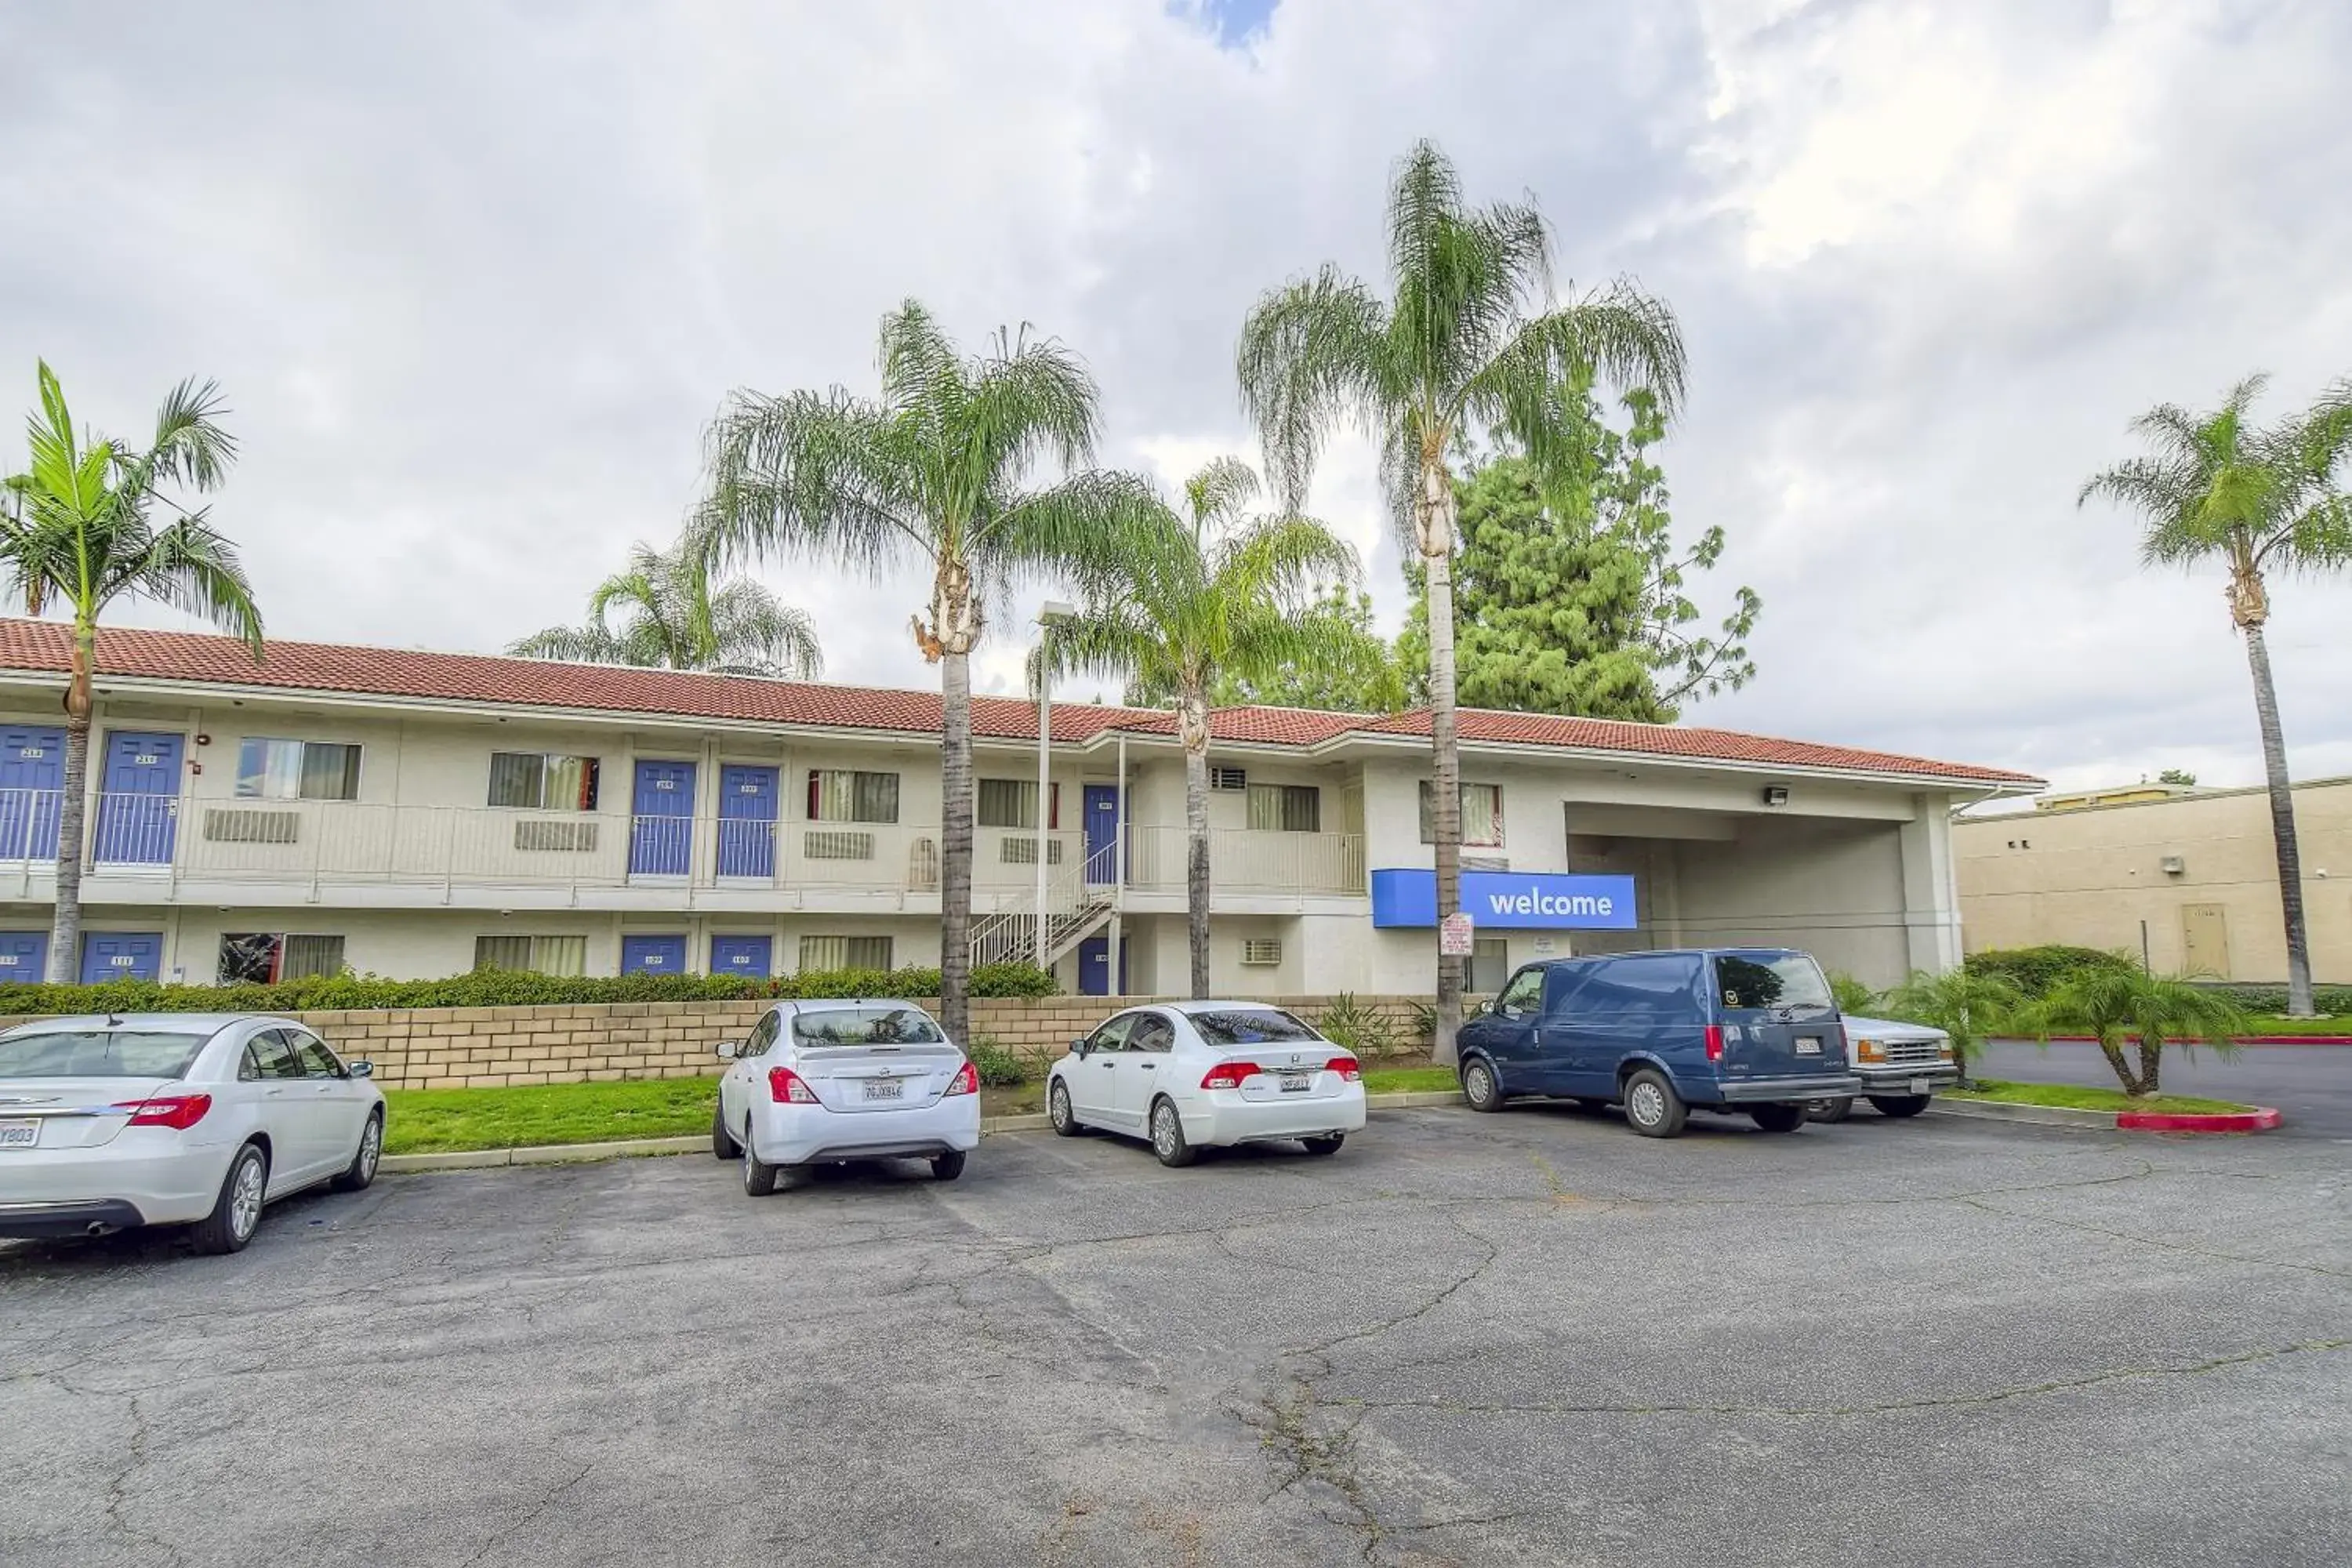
(1080, 1047)
(1480, 1009)
(729, 1050)
(360, 1068)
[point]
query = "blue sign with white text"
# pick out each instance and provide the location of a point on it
(1509, 901)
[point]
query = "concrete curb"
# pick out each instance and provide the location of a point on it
(629, 1148)
(2260, 1119)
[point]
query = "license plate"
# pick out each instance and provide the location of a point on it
(1296, 1082)
(1809, 1045)
(1922, 1086)
(885, 1088)
(19, 1134)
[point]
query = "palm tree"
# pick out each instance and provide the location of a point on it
(2150, 1009)
(2217, 485)
(1449, 354)
(1967, 1006)
(1173, 603)
(937, 471)
(78, 531)
(675, 622)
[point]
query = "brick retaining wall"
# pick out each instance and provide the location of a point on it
(454, 1047)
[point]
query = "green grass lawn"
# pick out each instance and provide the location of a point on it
(2073, 1097)
(2270, 1024)
(1409, 1080)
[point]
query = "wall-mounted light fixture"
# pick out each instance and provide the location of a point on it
(1776, 795)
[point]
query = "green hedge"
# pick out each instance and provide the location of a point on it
(503, 988)
(2034, 970)
(2335, 1001)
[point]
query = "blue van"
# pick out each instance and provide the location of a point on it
(1752, 1031)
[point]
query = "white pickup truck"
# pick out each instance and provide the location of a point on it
(1901, 1066)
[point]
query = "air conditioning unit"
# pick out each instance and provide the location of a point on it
(568, 837)
(1262, 952)
(244, 824)
(1023, 851)
(833, 844)
(1228, 778)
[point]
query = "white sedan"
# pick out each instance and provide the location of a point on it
(199, 1119)
(827, 1082)
(1190, 1074)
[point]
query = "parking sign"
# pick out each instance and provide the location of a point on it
(1455, 933)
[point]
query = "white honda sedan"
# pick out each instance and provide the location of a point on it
(199, 1118)
(1189, 1075)
(827, 1082)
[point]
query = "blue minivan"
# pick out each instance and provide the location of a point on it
(1753, 1031)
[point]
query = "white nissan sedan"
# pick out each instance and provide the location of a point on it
(828, 1082)
(1190, 1074)
(199, 1118)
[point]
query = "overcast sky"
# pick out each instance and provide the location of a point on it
(475, 276)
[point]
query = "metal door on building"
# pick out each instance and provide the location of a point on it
(31, 777)
(1102, 836)
(747, 822)
(2205, 940)
(139, 803)
(1093, 967)
(752, 956)
(121, 955)
(661, 836)
(24, 955)
(653, 955)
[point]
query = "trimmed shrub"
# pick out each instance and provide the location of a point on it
(2034, 970)
(2335, 1001)
(1361, 1029)
(504, 988)
(998, 1067)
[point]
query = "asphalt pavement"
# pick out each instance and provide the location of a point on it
(2310, 1086)
(1522, 1339)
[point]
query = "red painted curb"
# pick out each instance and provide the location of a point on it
(2260, 1120)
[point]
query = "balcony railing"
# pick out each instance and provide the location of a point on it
(338, 842)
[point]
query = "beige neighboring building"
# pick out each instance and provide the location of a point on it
(2198, 870)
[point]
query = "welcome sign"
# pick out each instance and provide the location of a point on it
(1509, 901)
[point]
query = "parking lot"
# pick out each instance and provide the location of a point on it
(1529, 1338)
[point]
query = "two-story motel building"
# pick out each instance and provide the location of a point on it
(414, 815)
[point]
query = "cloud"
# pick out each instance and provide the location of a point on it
(475, 276)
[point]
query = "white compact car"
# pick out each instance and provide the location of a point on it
(826, 1082)
(175, 1118)
(1190, 1074)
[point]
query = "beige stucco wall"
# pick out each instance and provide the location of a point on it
(2092, 877)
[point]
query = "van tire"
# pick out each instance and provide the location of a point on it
(1652, 1109)
(1899, 1104)
(1480, 1087)
(1837, 1110)
(1781, 1116)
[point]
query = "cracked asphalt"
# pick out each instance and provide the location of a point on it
(1523, 1339)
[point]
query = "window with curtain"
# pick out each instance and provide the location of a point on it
(1286, 808)
(532, 954)
(1012, 803)
(544, 782)
(296, 770)
(267, 957)
(847, 794)
(1481, 815)
(820, 954)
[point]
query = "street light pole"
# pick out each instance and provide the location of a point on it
(1054, 610)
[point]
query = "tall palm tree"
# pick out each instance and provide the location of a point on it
(2218, 485)
(1172, 602)
(2124, 1003)
(80, 531)
(1454, 351)
(675, 622)
(936, 471)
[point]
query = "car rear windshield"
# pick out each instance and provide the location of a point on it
(100, 1053)
(866, 1027)
(1251, 1026)
(1770, 980)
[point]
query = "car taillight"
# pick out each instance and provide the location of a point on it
(178, 1111)
(785, 1088)
(1714, 1042)
(1345, 1066)
(966, 1080)
(1228, 1075)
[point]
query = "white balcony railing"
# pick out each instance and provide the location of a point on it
(1248, 860)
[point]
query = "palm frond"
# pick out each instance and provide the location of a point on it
(192, 567)
(1312, 355)
(810, 476)
(589, 643)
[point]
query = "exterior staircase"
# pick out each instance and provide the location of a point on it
(1076, 908)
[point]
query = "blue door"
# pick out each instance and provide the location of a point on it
(747, 825)
(121, 955)
(661, 839)
(140, 800)
(653, 955)
(1102, 838)
(32, 773)
(752, 956)
(24, 956)
(1094, 963)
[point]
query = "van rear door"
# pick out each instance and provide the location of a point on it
(1778, 1017)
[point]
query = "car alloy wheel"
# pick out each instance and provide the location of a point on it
(1057, 1109)
(370, 1148)
(245, 1200)
(1168, 1135)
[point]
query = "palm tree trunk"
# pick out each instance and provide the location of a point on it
(2290, 857)
(955, 844)
(1446, 764)
(2151, 1065)
(2114, 1055)
(1192, 717)
(65, 926)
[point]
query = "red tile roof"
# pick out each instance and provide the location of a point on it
(45, 645)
